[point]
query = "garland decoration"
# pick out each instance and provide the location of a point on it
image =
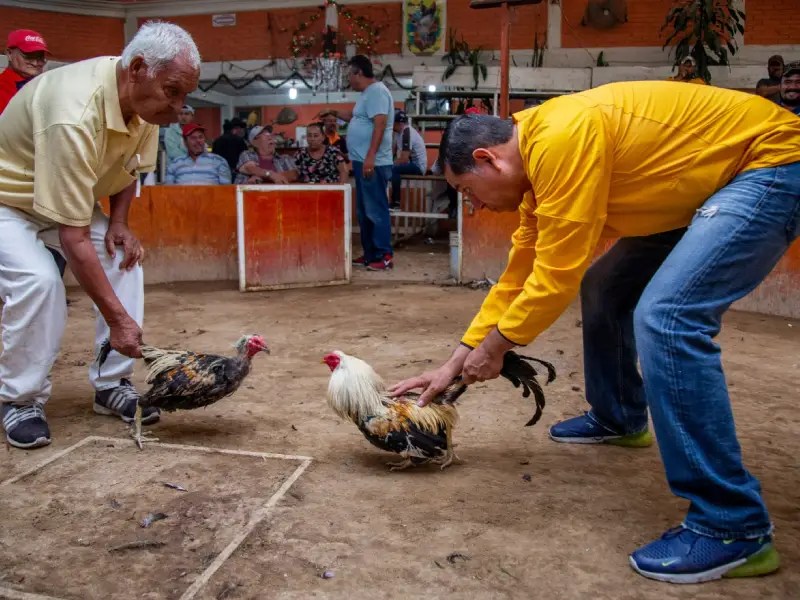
(358, 30)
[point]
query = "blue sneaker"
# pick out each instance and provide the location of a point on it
(683, 556)
(585, 429)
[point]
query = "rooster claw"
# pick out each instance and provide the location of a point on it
(141, 438)
(399, 466)
(449, 459)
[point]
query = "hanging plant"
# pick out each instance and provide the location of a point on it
(460, 54)
(705, 30)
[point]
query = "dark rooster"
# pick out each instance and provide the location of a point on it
(420, 435)
(188, 380)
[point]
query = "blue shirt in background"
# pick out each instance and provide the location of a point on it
(375, 100)
(208, 169)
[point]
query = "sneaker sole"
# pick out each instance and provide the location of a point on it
(386, 268)
(37, 443)
(107, 412)
(635, 440)
(763, 562)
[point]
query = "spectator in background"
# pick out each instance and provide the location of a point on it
(369, 141)
(770, 87)
(27, 53)
(262, 164)
(320, 163)
(173, 136)
(411, 157)
(231, 144)
(687, 72)
(198, 167)
(790, 88)
(332, 137)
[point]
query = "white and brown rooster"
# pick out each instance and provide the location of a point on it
(419, 435)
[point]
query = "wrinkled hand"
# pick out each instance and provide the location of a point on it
(126, 337)
(432, 383)
(369, 166)
(279, 178)
(254, 180)
(118, 234)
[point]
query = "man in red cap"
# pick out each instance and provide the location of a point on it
(27, 55)
(198, 167)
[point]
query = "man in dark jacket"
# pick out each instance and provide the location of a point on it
(231, 143)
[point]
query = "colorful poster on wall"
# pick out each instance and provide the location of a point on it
(424, 26)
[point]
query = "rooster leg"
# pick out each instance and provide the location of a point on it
(450, 455)
(399, 466)
(136, 430)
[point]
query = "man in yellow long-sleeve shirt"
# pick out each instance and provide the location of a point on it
(702, 186)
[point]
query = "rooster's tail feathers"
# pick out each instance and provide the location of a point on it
(551, 370)
(102, 354)
(518, 370)
(158, 360)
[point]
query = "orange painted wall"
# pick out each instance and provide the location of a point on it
(482, 27)
(264, 34)
(294, 237)
(209, 117)
(768, 22)
(775, 22)
(645, 18)
(189, 234)
(69, 37)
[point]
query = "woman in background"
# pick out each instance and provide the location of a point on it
(320, 163)
(262, 164)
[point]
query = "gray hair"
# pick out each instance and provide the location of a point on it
(159, 43)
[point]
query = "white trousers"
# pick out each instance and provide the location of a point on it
(34, 306)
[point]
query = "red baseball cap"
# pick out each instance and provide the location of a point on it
(472, 110)
(190, 128)
(27, 40)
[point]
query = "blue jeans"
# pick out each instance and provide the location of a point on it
(372, 210)
(663, 297)
(397, 172)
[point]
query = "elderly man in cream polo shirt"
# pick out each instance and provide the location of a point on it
(70, 137)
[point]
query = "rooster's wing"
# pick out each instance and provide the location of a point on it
(191, 380)
(396, 432)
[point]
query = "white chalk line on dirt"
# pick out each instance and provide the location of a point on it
(206, 575)
(17, 595)
(53, 458)
(259, 516)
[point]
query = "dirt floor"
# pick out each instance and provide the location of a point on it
(526, 517)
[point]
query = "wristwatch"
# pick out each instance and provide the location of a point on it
(267, 174)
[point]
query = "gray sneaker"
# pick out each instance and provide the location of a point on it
(121, 402)
(25, 425)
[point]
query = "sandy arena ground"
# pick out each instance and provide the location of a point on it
(530, 518)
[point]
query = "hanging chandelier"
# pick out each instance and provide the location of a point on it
(327, 69)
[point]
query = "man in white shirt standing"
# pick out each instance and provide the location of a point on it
(71, 136)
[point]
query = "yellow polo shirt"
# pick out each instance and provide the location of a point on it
(624, 159)
(64, 143)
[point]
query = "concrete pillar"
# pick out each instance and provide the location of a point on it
(130, 28)
(553, 25)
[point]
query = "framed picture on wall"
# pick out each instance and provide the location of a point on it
(424, 27)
